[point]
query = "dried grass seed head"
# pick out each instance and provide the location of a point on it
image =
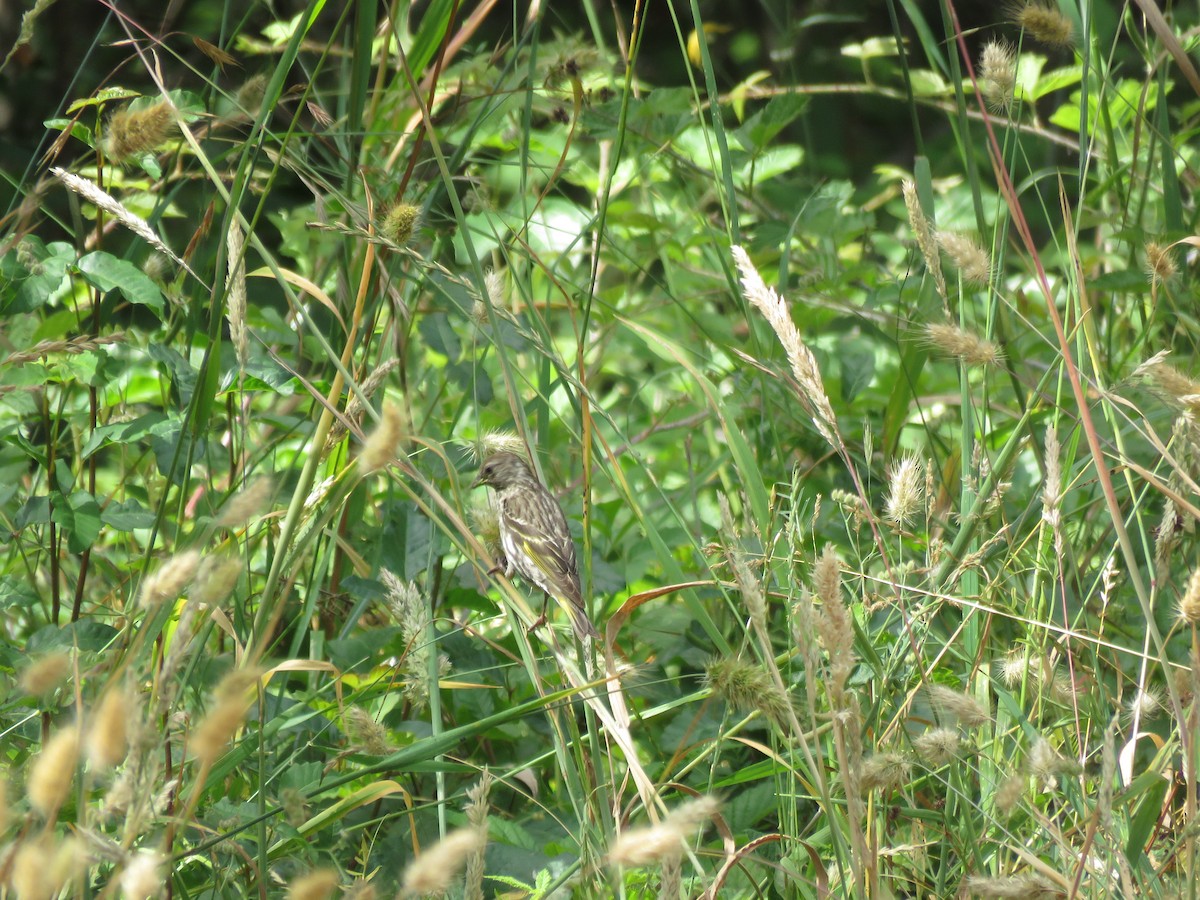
(108, 728)
(958, 342)
(144, 875)
(434, 870)
(136, 129)
(938, 746)
(968, 257)
(747, 686)
(905, 491)
(660, 843)
(998, 75)
(1189, 603)
(962, 707)
(318, 885)
(53, 771)
(167, 582)
(1160, 263)
(884, 772)
(46, 673)
(1043, 21)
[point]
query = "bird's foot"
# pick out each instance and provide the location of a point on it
(541, 620)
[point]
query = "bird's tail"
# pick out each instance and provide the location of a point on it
(583, 625)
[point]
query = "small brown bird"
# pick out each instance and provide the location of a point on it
(534, 536)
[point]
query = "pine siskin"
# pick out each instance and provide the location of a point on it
(534, 535)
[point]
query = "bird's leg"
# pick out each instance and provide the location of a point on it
(541, 620)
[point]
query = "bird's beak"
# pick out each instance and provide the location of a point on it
(478, 481)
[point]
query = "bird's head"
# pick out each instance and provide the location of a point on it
(503, 469)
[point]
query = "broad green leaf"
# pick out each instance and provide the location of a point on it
(106, 273)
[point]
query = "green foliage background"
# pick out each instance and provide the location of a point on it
(937, 642)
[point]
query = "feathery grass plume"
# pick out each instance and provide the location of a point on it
(1014, 667)
(53, 771)
(497, 298)
(477, 816)
(998, 75)
(1044, 22)
(484, 519)
(657, 843)
(1145, 703)
(962, 707)
(132, 132)
(1016, 887)
(938, 746)
(365, 734)
(32, 869)
(383, 443)
(235, 288)
(1167, 381)
(247, 503)
(135, 223)
(1160, 264)
(144, 875)
(904, 491)
(951, 340)
(804, 365)
(751, 590)
(1045, 764)
(746, 686)
(46, 673)
(71, 347)
(884, 772)
(354, 409)
(435, 869)
(250, 95)
(399, 223)
(108, 728)
(294, 805)
(412, 613)
(498, 441)
(169, 580)
(923, 232)
(834, 626)
(1052, 492)
(232, 698)
(968, 257)
(1189, 603)
(1010, 792)
(318, 885)
(216, 579)
(361, 890)
(670, 878)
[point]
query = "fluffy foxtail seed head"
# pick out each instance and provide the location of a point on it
(962, 707)
(436, 868)
(250, 95)
(1189, 603)
(1160, 264)
(1017, 887)
(746, 686)
(884, 772)
(318, 885)
(400, 222)
(998, 75)
(1044, 22)
(382, 444)
(53, 771)
(665, 841)
(1009, 794)
(169, 580)
(366, 735)
(951, 340)
(132, 132)
(46, 673)
(247, 503)
(937, 746)
(107, 734)
(144, 875)
(968, 257)
(905, 490)
(923, 232)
